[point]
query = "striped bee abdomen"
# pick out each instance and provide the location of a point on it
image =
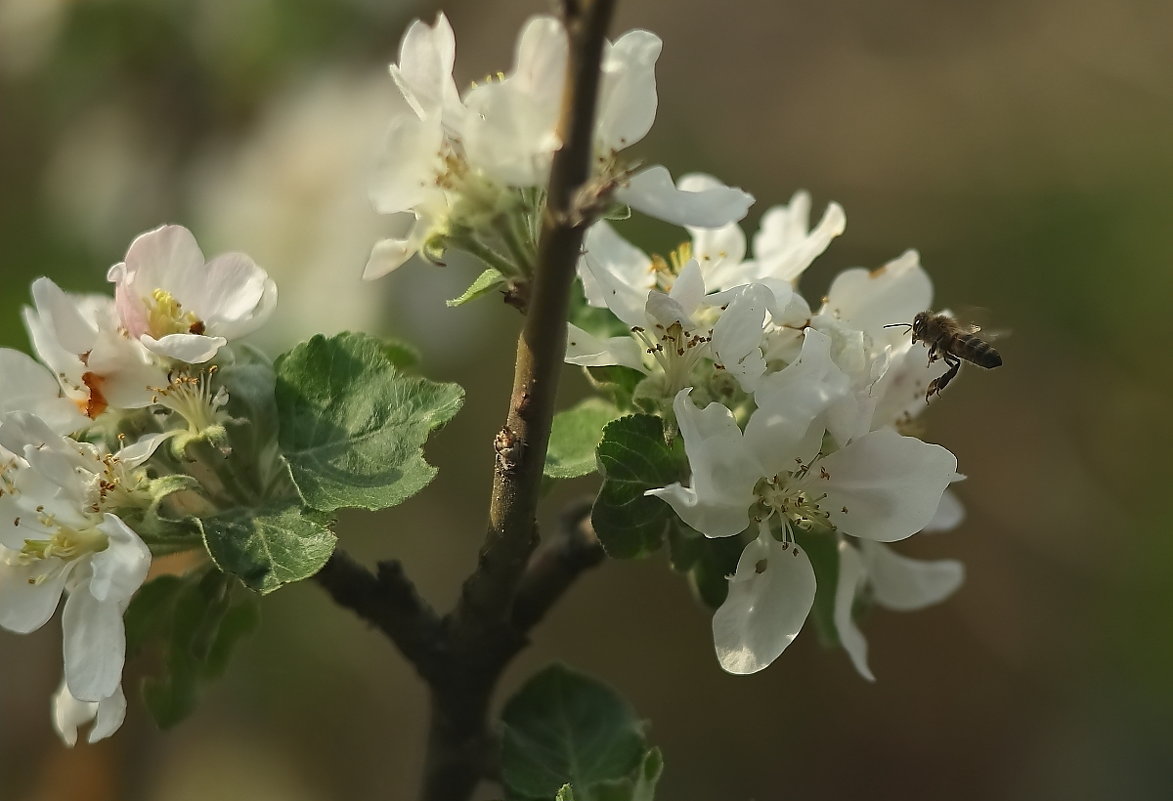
(974, 349)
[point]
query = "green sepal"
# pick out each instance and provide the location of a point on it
(822, 548)
(485, 283)
(268, 548)
(633, 458)
(353, 425)
(563, 727)
(574, 435)
(163, 524)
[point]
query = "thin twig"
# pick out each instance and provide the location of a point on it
(387, 600)
(521, 443)
(554, 568)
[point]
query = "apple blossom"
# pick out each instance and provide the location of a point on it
(181, 308)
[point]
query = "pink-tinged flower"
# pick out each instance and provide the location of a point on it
(181, 307)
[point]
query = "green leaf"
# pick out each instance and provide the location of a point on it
(705, 561)
(634, 458)
(641, 786)
(401, 354)
(267, 548)
(353, 426)
(485, 283)
(574, 436)
(564, 727)
(566, 793)
(149, 611)
(822, 548)
(198, 623)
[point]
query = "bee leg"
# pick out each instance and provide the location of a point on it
(938, 384)
(933, 354)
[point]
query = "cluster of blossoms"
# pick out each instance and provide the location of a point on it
(470, 172)
(791, 418)
(98, 432)
(796, 421)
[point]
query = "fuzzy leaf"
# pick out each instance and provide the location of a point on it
(266, 549)
(634, 458)
(563, 727)
(574, 436)
(485, 283)
(353, 425)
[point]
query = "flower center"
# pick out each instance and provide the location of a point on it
(665, 269)
(675, 349)
(60, 542)
(192, 398)
(165, 315)
(791, 499)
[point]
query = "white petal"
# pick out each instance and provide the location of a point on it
(94, 645)
(949, 515)
(769, 599)
(25, 603)
(793, 404)
(871, 299)
(737, 336)
(905, 584)
(424, 72)
(27, 385)
(405, 175)
(69, 714)
(190, 348)
(233, 290)
(111, 712)
(135, 454)
(390, 254)
(511, 133)
(783, 248)
(165, 258)
(121, 568)
(890, 485)
(613, 255)
(627, 95)
(653, 193)
(587, 350)
(723, 473)
(851, 576)
(59, 313)
(615, 277)
(689, 288)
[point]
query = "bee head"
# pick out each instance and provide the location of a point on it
(919, 325)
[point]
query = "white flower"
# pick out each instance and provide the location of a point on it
(59, 535)
(69, 714)
(881, 486)
(78, 338)
(674, 332)
(182, 308)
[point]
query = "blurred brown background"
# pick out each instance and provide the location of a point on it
(1023, 147)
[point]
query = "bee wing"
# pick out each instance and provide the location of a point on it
(980, 317)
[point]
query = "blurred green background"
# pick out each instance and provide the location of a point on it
(1026, 148)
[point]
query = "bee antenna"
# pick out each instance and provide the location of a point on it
(897, 325)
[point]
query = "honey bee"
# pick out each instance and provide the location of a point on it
(952, 341)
